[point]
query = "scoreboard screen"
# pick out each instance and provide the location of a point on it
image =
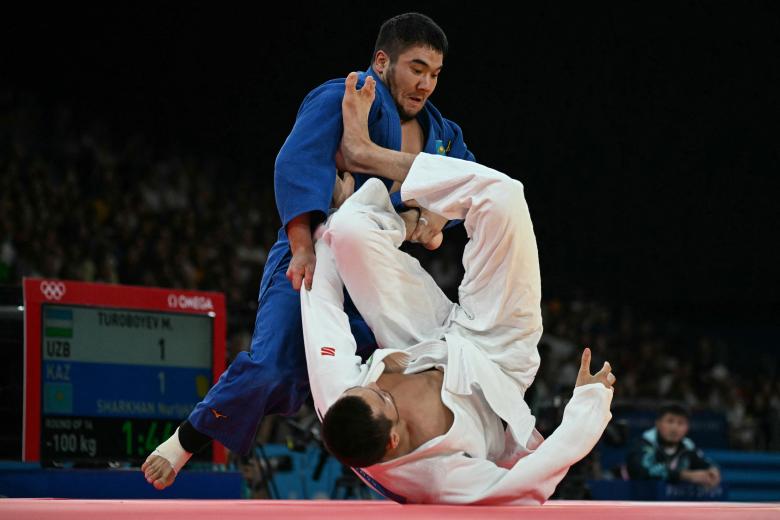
(113, 370)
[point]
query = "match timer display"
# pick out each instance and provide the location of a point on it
(118, 368)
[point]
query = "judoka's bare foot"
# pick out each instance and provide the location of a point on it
(158, 471)
(356, 143)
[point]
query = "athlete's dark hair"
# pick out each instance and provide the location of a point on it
(353, 434)
(406, 30)
(674, 409)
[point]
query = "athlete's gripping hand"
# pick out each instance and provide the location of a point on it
(428, 231)
(301, 270)
(343, 189)
(410, 218)
(603, 376)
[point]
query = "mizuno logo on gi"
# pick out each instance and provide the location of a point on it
(217, 414)
(328, 351)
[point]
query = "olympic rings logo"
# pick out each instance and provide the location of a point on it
(53, 290)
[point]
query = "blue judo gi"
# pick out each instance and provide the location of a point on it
(271, 378)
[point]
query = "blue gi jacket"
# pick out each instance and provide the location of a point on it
(305, 168)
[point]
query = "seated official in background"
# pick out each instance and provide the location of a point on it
(665, 453)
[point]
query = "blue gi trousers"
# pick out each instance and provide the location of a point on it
(271, 378)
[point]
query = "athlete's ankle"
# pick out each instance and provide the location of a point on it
(191, 439)
(172, 451)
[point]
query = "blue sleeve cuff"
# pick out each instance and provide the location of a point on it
(398, 204)
(400, 207)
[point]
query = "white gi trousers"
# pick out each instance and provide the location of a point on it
(499, 297)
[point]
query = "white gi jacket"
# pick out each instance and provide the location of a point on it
(486, 371)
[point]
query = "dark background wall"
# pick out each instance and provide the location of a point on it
(646, 133)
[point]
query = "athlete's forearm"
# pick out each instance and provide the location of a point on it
(299, 234)
(386, 163)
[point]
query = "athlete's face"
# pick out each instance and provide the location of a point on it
(411, 77)
(672, 428)
(380, 401)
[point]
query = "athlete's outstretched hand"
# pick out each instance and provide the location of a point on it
(603, 376)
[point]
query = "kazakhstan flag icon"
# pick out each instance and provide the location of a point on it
(58, 398)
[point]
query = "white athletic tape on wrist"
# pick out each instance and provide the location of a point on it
(172, 451)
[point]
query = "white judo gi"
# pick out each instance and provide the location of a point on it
(486, 345)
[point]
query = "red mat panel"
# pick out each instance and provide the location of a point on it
(56, 509)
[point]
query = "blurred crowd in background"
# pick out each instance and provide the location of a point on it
(76, 203)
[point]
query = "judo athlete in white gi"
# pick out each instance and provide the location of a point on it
(437, 415)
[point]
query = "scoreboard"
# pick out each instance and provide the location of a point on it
(112, 370)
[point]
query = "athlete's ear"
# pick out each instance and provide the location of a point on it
(381, 61)
(393, 441)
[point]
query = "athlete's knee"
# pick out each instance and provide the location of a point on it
(505, 197)
(349, 232)
(348, 220)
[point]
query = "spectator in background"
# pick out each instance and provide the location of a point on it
(665, 453)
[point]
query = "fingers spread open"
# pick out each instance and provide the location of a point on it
(585, 364)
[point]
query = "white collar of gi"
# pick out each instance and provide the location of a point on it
(387, 358)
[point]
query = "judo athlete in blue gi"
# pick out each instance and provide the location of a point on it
(271, 378)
